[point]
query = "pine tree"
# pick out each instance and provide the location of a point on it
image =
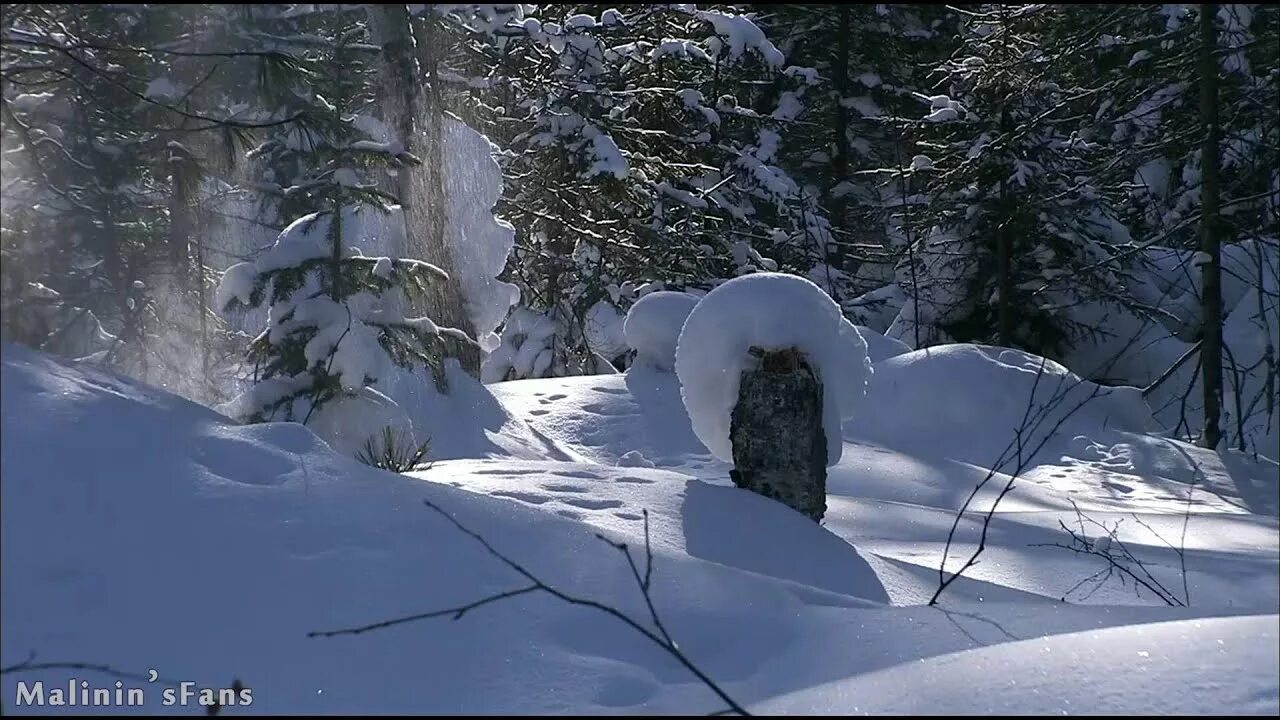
(336, 320)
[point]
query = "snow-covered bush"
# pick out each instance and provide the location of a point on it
(532, 345)
(653, 327)
(770, 311)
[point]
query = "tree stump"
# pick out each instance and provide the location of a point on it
(776, 431)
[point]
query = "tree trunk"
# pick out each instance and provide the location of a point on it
(779, 445)
(1004, 234)
(180, 224)
(416, 117)
(840, 129)
(1210, 243)
(430, 207)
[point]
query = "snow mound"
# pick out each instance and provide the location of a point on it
(771, 311)
(467, 421)
(653, 326)
(318, 541)
(603, 330)
(881, 347)
(1214, 666)
(966, 402)
(604, 417)
(348, 421)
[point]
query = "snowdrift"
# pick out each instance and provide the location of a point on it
(1138, 671)
(142, 531)
(967, 401)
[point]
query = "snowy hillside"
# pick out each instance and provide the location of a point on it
(143, 532)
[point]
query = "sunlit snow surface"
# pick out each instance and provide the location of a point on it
(141, 531)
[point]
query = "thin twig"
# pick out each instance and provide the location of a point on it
(662, 639)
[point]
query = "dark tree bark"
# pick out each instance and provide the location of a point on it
(1004, 233)
(779, 445)
(429, 205)
(1210, 243)
(413, 108)
(180, 223)
(840, 129)
(1004, 254)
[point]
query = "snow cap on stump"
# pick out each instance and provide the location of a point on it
(770, 311)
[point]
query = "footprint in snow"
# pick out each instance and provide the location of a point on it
(591, 504)
(553, 487)
(577, 474)
(539, 412)
(633, 479)
(243, 462)
(530, 498)
(627, 516)
(610, 391)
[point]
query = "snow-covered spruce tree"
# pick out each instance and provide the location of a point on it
(1153, 120)
(1150, 118)
(111, 171)
(81, 209)
(1011, 207)
(336, 320)
(867, 60)
(642, 155)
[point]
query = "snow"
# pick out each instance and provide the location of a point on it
(742, 34)
(1139, 56)
(237, 283)
(348, 421)
(480, 242)
(864, 105)
(682, 49)
(946, 263)
(945, 114)
(684, 197)
(603, 328)
(764, 601)
(789, 106)
(653, 324)
(365, 230)
(880, 347)
(1252, 334)
(1235, 658)
(163, 89)
(693, 100)
(969, 422)
(607, 158)
(770, 311)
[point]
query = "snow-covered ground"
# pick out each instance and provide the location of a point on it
(143, 532)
